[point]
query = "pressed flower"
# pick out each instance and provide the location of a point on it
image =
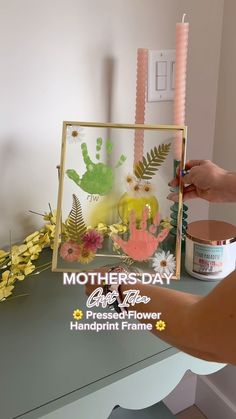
(147, 189)
(120, 228)
(86, 256)
(165, 223)
(92, 240)
(70, 251)
(130, 179)
(136, 190)
(74, 134)
(164, 262)
(102, 228)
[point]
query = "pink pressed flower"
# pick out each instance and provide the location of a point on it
(92, 240)
(70, 251)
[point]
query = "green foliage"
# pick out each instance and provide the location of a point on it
(75, 225)
(148, 166)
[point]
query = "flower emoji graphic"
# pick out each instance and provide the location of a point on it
(78, 314)
(164, 262)
(160, 325)
(74, 134)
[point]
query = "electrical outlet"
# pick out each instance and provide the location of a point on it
(161, 75)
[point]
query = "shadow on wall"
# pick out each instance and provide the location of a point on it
(13, 164)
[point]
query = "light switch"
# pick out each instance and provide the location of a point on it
(161, 68)
(161, 75)
(172, 75)
(161, 83)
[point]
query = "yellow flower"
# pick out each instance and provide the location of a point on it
(51, 217)
(102, 228)
(19, 276)
(51, 229)
(15, 260)
(165, 223)
(78, 314)
(29, 268)
(34, 257)
(160, 325)
(117, 228)
(44, 239)
(31, 236)
(18, 250)
(6, 292)
(86, 256)
(8, 278)
(35, 249)
(3, 254)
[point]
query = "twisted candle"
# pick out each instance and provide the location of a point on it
(182, 30)
(141, 88)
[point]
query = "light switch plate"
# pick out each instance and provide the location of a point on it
(161, 74)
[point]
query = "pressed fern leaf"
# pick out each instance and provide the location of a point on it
(75, 225)
(148, 166)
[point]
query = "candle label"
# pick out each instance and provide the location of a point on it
(207, 260)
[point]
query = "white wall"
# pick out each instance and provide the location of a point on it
(224, 382)
(76, 60)
(225, 136)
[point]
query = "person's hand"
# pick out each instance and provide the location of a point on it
(205, 180)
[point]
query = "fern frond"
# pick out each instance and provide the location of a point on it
(148, 166)
(75, 225)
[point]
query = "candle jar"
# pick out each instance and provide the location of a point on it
(210, 249)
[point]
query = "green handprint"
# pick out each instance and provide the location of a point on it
(99, 177)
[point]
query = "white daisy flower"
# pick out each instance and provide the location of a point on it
(135, 190)
(147, 189)
(164, 262)
(130, 179)
(74, 134)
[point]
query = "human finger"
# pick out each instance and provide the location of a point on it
(174, 183)
(193, 163)
(188, 178)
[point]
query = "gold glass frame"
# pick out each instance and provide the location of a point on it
(174, 128)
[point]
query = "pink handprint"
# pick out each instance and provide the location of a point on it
(142, 243)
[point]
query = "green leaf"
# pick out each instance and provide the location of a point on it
(75, 225)
(148, 166)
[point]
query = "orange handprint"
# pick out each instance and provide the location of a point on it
(142, 242)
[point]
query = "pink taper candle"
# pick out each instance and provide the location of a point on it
(182, 30)
(141, 88)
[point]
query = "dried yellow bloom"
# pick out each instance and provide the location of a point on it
(6, 292)
(3, 254)
(31, 236)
